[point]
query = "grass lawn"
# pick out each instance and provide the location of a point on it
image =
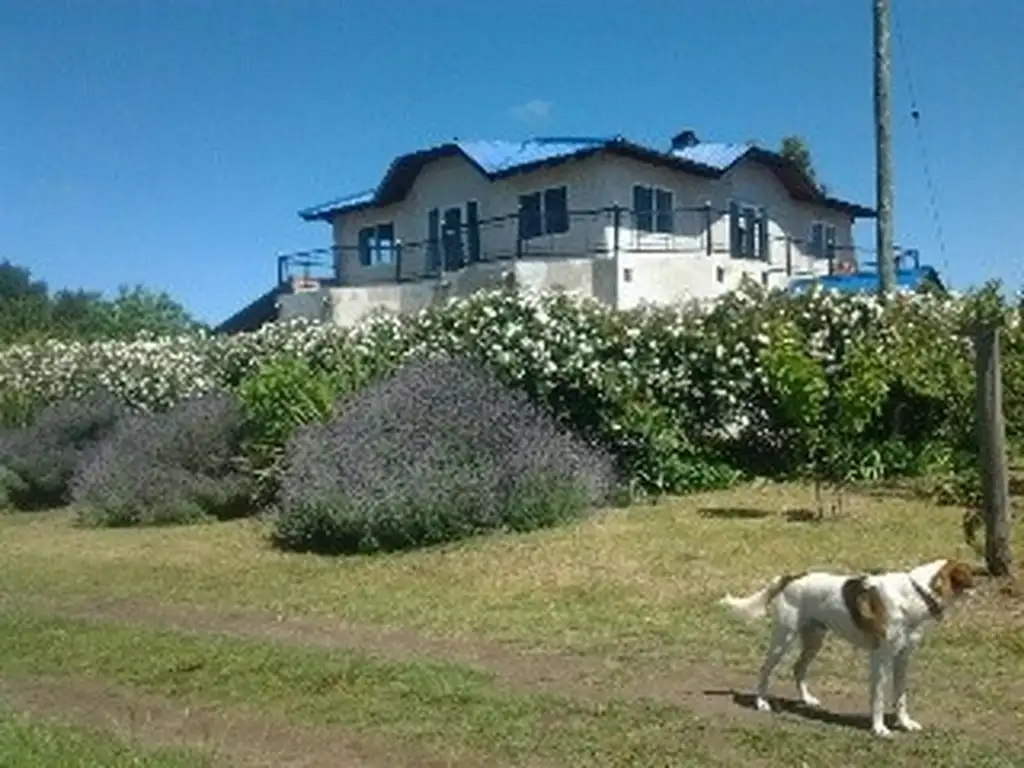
(25, 744)
(597, 644)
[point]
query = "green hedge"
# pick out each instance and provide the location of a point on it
(688, 397)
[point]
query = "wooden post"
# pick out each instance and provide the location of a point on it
(991, 431)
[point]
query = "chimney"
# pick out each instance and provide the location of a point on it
(684, 140)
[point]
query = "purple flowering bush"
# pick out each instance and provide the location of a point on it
(39, 460)
(440, 451)
(172, 467)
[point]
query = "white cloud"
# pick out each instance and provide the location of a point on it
(534, 111)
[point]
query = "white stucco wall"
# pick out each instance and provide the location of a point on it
(649, 267)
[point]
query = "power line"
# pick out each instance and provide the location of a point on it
(915, 115)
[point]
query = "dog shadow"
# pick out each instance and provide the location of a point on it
(802, 515)
(798, 708)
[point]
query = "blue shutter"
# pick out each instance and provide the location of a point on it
(473, 230)
(763, 240)
(643, 209)
(734, 230)
(433, 240)
(665, 220)
(556, 211)
(530, 224)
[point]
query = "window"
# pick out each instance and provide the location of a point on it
(377, 245)
(544, 213)
(822, 241)
(652, 209)
(748, 227)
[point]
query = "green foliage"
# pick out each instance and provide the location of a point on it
(29, 313)
(687, 397)
(282, 395)
(795, 149)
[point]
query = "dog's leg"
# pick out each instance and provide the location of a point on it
(782, 637)
(812, 637)
(900, 665)
(879, 661)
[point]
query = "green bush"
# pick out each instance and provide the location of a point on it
(684, 396)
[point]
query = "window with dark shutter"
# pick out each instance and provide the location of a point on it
(366, 237)
(434, 239)
(556, 211)
(665, 219)
(735, 231)
(473, 230)
(643, 209)
(530, 224)
(830, 242)
(816, 245)
(384, 252)
(763, 237)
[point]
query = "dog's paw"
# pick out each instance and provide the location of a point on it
(881, 731)
(909, 724)
(762, 705)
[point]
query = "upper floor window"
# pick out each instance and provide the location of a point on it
(652, 209)
(377, 245)
(748, 228)
(822, 244)
(544, 213)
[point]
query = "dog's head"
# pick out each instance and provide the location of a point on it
(954, 581)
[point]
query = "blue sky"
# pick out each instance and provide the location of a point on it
(171, 143)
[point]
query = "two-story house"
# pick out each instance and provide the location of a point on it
(619, 221)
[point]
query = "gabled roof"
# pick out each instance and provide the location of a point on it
(498, 159)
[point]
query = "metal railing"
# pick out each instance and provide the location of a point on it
(694, 231)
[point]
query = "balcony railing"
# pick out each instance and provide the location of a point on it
(702, 231)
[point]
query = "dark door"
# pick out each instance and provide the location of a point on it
(451, 239)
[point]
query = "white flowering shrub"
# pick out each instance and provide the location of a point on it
(686, 396)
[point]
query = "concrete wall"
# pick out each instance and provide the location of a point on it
(349, 304)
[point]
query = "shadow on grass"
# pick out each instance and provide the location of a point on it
(798, 708)
(802, 515)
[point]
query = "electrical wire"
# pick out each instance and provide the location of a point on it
(915, 115)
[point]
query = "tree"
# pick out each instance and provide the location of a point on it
(795, 149)
(28, 311)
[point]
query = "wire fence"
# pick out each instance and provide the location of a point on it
(455, 242)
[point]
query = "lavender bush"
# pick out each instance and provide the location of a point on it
(176, 466)
(39, 460)
(440, 451)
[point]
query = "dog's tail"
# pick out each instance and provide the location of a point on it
(756, 606)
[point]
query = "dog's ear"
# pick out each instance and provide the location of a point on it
(961, 577)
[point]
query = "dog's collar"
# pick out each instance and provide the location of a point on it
(935, 608)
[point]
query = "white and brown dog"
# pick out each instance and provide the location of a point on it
(885, 613)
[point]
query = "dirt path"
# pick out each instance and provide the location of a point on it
(234, 737)
(701, 689)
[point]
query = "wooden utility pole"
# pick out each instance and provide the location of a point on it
(883, 148)
(991, 431)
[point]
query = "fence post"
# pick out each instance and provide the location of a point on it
(616, 228)
(991, 431)
(709, 245)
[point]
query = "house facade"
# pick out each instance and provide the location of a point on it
(624, 223)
